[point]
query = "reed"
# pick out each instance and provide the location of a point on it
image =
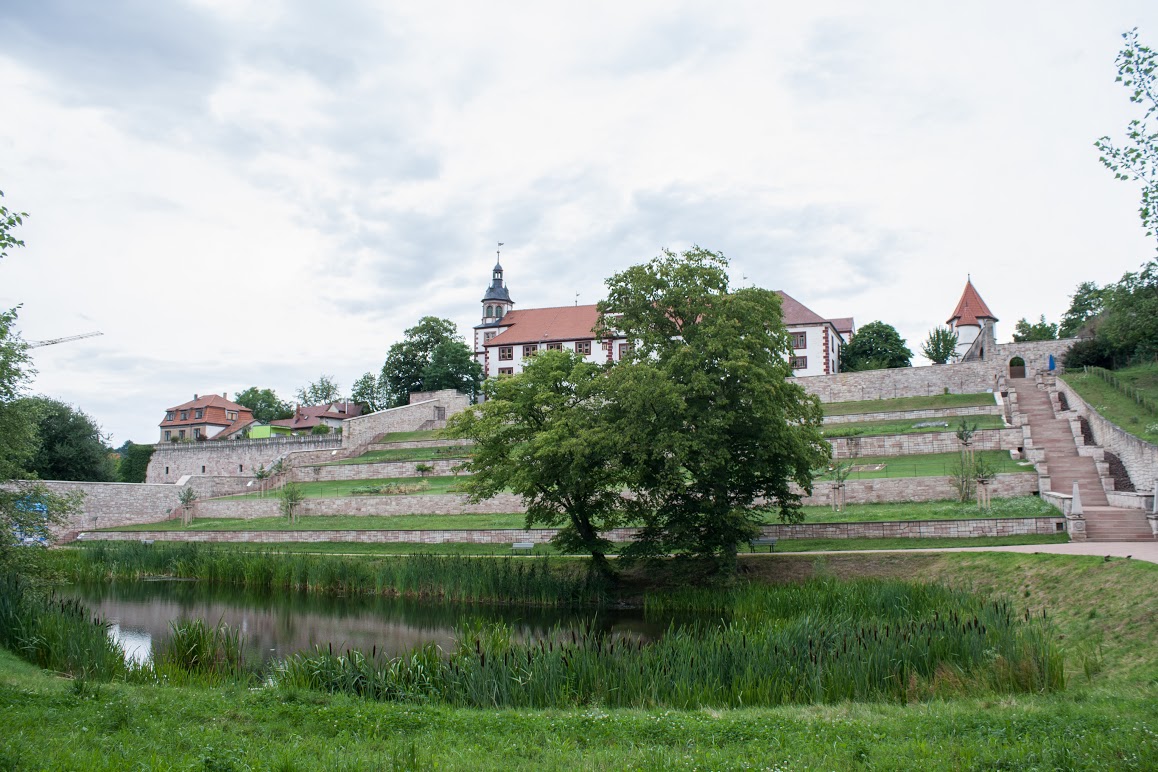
(199, 653)
(822, 642)
(540, 582)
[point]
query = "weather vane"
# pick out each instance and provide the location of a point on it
(498, 252)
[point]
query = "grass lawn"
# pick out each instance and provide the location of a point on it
(1102, 612)
(909, 426)
(337, 489)
(931, 465)
(1025, 506)
(908, 403)
(405, 454)
(1116, 406)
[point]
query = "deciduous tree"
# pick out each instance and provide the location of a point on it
(134, 464)
(368, 393)
(70, 444)
(265, 404)
(1024, 332)
(323, 391)
(406, 363)
(1087, 303)
(875, 346)
(940, 346)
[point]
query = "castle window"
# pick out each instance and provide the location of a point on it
(487, 336)
(554, 347)
(506, 352)
(499, 311)
(490, 311)
(530, 350)
(799, 363)
(799, 340)
(506, 371)
(583, 347)
(625, 349)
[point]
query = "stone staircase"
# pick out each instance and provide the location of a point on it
(1053, 439)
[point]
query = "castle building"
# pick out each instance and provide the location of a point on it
(507, 338)
(969, 319)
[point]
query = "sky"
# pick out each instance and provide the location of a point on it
(258, 193)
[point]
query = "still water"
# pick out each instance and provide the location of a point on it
(275, 625)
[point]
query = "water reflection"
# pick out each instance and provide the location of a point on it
(275, 625)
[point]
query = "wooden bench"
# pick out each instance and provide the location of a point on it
(525, 546)
(770, 543)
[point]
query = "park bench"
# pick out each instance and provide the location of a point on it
(769, 542)
(526, 546)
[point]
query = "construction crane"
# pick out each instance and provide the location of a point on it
(53, 341)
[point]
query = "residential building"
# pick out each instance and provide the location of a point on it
(305, 419)
(507, 338)
(203, 418)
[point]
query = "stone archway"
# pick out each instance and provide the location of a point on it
(1017, 367)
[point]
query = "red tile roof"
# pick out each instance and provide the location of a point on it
(210, 400)
(240, 425)
(844, 325)
(545, 325)
(310, 416)
(971, 309)
(796, 314)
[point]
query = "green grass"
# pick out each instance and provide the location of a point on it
(1102, 612)
(405, 454)
(931, 464)
(1115, 406)
(908, 426)
(1021, 506)
(908, 403)
(337, 489)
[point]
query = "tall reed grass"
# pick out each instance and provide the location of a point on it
(825, 641)
(541, 582)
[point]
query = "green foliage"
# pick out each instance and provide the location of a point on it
(1086, 303)
(291, 497)
(1092, 352)
(369, 392)
(323, 391)
(707, 419)
(452, 366)
(134, 462)
(408, 359)
(70, 445)
(940, 346)
(547, 435)
(1024, 332)
(265, 404)
(187, 496)
(875, 346)
(1137, 158)
(320, 429)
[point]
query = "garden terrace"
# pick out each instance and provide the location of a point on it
(1114, 404)
(386, 486)
(909, 426)
(909, 404)
(927, 465)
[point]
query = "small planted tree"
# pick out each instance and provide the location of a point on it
(261, 475)
(291, 499)
(940, 346)
(963, 475)
(187, 497)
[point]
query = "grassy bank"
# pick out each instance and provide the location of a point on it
(936, 401)
(1117, 407)
(931, 465)
(405, 454)
(337, 489)
(908, 426)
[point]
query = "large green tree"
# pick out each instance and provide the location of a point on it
(323, 391)
(545, 435)
(713, 433)
(1130, 324)
(1024, 332)
(265, 404)
(408, 360)
(70, 445)
(134, 465)
(875, 346)
(1136, 158)
(368, 392)
(1086, 304)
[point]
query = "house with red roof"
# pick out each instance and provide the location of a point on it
(507, 338)
(969, 318)
(307, 418)
(204, 418)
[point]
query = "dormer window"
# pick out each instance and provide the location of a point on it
(169, 416)
(184, 415)
(198, 413)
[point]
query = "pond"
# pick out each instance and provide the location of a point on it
(276, 625)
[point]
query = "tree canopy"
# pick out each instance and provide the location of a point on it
(940, 346)
(368, 393)
(69, 444)
(323, 391)
(1024, 332)
(1123, 317)
(1087, 302)
(134, 464)
(412, 365)
(875, 346)
(265, 404)
(1136, 159)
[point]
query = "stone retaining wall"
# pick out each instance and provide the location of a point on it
(921, 444)
(887, 490)
(439, 405)
(385, 469)
(106, 505)
(916, 529)
(915, 415)
(1138, 456)
(966, 378)
(434, 504)
(172, 461)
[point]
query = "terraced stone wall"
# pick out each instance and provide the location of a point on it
(918, 444)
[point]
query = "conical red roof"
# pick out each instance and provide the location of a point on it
(971, 309)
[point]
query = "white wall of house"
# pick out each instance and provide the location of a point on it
(494, 365)
(809, 358)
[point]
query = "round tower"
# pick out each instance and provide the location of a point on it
(496, 302)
